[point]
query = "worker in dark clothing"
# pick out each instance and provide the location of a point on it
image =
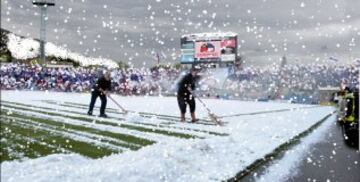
(351, 119)
(350, 106)
(100, 89)
(185, 95)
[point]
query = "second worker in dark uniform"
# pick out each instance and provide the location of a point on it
(100, 89)
(185, 95)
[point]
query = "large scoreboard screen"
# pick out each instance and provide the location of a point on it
(208, 47)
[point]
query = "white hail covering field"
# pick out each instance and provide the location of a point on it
(251, 130)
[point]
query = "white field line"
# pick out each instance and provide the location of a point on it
(56, 133)
(12, 152)
(267, 111)
(33, 140)
(187, 128)
(160, 118)
(18, 154)
(76, 135)
(248, 119)
(48, 145)
(203, 128)
(91, 136)
(190, 132)
(156, 123)
(244, 119)
(101, 127)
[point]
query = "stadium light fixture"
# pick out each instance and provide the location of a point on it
(43, 4)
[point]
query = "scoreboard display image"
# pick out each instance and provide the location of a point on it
(208, 47)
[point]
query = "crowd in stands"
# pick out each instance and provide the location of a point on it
(295, 81)
(124, 81)
(248, 82)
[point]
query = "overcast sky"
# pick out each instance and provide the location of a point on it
(304, 31)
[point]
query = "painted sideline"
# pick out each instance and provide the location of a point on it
(277, 151)
(269, 111)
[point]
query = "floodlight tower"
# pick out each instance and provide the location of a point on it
(43, 4)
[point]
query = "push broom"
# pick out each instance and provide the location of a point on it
(119, 106)
(211, 115)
